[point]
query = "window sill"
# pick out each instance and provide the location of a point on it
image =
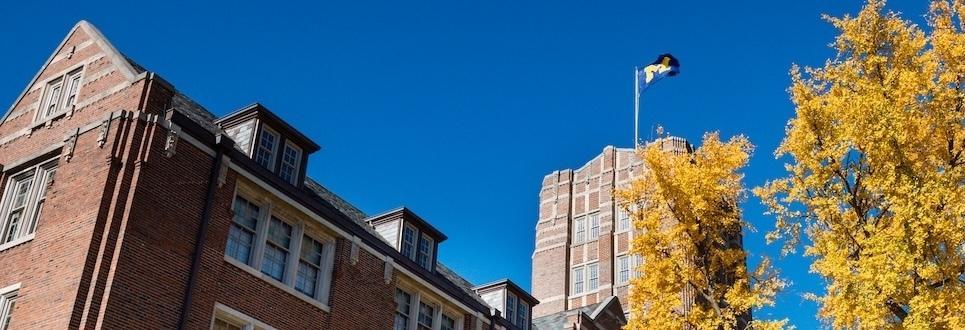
(48, 121)
(254, 272)
(16, 242)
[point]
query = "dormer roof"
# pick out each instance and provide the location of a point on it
(409, 216)
(511, 286)
(257, 110)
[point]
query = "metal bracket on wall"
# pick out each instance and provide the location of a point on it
(102, 131)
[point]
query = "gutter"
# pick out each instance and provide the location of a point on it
(222, 143)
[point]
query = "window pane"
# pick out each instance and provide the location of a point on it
(577, 280)
(593, 276)
(239, 243)
(6, 310)
(402, 299)
(522, 316)
(289, 164)
(511, 308)
(274, 263)
(266, 149)
(306, 278)
(408, 242)
(425, 252)
(222, 324)
(425, 316)
(594, 226)
(448, 323)
(73, 85)
(579, 231)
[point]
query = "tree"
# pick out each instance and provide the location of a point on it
(877, 172)
(688, 232)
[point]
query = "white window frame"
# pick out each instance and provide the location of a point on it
(408, 311)
(324, 283)
(594, 226)
(592, 276)
(455, 321)
(623, 261)
(41, 177)
(286, 264)
(579, 230)
(623, 220)
(274, 148)
(435, 316)
(295, 166)
(578, 287)
(59, 99)
(511, 308)
(428, 254)
(229, 314)
(414, 244)
(8, 295)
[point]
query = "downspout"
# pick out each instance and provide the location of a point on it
(221, 145)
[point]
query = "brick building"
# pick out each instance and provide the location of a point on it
(125, 205)
(581, 260)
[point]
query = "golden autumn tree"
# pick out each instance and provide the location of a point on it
(685, 210)
(876, 180)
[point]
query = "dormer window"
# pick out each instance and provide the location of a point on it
(414, 238)
(424, 257)
(267, 144)
(290, 159)
(408, 242)
(270, 142)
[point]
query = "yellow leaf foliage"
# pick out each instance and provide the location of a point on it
(877, 178)
(688, 224)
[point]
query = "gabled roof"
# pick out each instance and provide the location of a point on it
(607, 314)
(127, 67)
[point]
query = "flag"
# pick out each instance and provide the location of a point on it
(665, 65)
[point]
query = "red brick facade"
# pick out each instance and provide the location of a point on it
(116, 242)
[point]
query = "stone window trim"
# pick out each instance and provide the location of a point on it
(583, 269)
(416, 299)
(38, 175)
(8, 295)
(299, 232)
(229, 314)
(619, 278)
(61, 90)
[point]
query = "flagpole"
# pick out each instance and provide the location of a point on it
(636, 107)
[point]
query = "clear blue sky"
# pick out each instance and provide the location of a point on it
(457, 109)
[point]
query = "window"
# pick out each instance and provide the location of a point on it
(623, 222)
(425, 316)
(424, 257)
(522, 315)
(594, 226)
(268, 247)
(226, 318)
(511, 308)
(623, 269)
(73, 86)
(309, 266)
(58, 97)
(577, 280)
(408, 242)
(52, 99)
(290, 160)
(276, 248)
(265, 155)
(593, 278)
(23, 202)
(241, 235)
(579, 230)
(222, 324)
(8, 301)
(448, 323)
(402, 304)
(637, 261)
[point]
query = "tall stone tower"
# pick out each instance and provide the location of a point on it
(583, 236)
